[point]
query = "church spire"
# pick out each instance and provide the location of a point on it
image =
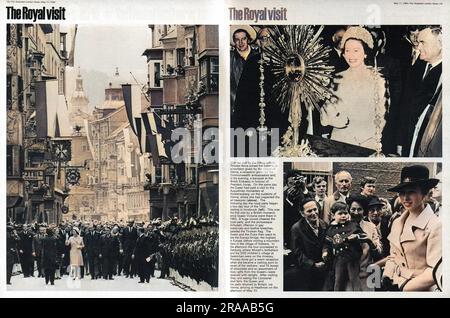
(79, 87)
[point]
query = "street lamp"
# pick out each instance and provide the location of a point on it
(166, 190)
(215, 176)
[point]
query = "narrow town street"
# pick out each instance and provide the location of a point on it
(90, 175)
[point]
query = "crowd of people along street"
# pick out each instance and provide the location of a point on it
(103, 250)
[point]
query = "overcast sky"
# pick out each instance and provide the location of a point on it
(100, 49)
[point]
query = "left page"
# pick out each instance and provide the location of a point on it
(112, 179)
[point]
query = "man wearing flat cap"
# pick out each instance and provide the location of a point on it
(415, 237)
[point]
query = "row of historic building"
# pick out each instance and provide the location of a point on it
(38, 143)
(93, 165)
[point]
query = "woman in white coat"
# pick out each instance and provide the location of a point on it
(76, 258)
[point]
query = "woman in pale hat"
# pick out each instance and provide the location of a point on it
(415, 237)
(361, 95)
(76, 257)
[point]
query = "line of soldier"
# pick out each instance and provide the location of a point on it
(111, 249)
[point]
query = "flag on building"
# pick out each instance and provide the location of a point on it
(158, 135)
(52, 117)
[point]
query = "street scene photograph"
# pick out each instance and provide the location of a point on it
(112, 147)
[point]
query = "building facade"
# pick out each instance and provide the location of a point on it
(118, 164)
(38, 130)
(189, 78)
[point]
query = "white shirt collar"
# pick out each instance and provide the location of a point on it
(435, 63)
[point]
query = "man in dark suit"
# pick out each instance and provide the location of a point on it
(335, 58)
(12, 240)
(129, 237)
(109, 250)
(307, 239)
(141, 254)
(421, 90)
(92, 242)
(49, 251)
(37, 249)
(26, 250)
(295, 192)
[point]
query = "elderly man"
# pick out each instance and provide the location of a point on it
(343, 183)
(307, 239)
(422, 90)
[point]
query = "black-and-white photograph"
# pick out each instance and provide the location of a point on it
(353, 226)
(112, 170)
(336, 90)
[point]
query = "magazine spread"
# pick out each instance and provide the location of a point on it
(224, 149)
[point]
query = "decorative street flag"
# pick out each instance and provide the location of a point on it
(51, 111)
(158, 137)
(132, 97)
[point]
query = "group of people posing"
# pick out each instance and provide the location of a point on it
(386, 86)
(359, 242)
(104, 250)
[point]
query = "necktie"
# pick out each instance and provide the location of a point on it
(427, 71)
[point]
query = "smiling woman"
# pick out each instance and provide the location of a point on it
(358, 114)
(416, 236)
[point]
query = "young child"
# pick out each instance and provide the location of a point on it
(342, 248)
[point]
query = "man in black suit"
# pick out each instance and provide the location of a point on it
(49, 252)
(335, 58)
(109, 250)
(129, 237)
(26, 250)
(92, 242)
(37, 249)
(307, 239)
(421, 90)
(141, 254)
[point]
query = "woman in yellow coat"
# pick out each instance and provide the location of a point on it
(415, 237)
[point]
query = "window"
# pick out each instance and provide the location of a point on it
(214, 67)
(169, 62)
(158, 174)
(209, 74)
(157, 74)
(9, 160)
(180, 57)
(189, 53)
(9, 92)
(21, 93)
(61, 82)
(63, 45)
